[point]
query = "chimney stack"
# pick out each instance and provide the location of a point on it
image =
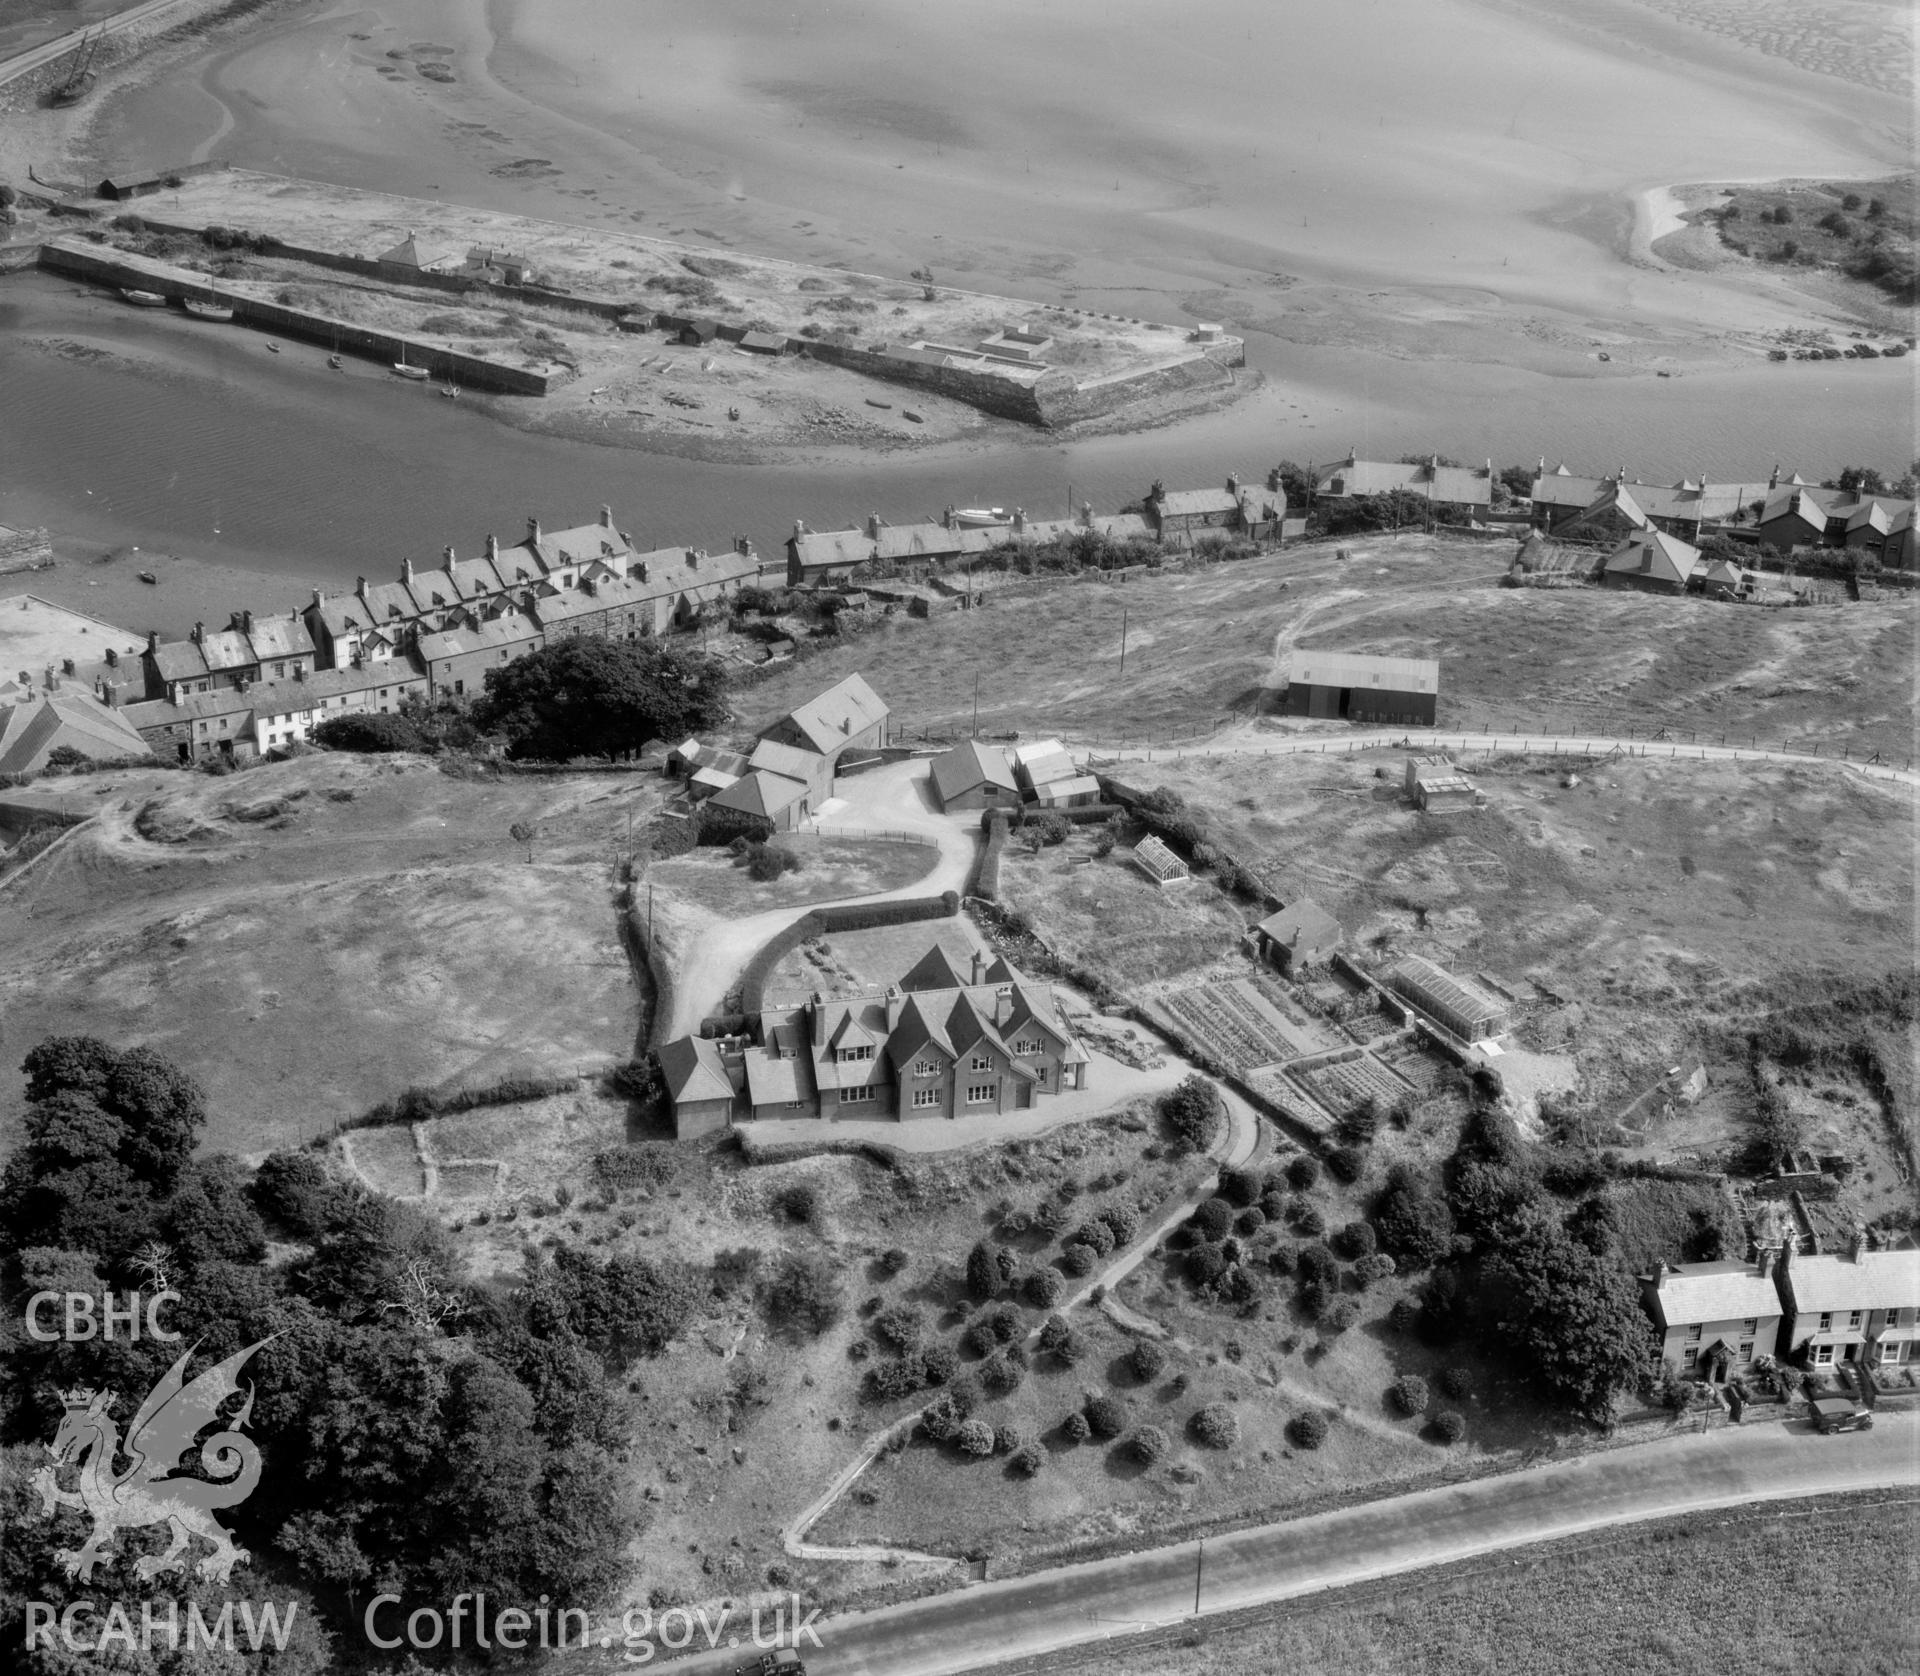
(406, 570)
(873, 526)
(817, 1007)
(979, 968)
(360, 586)
(1086, 513)
(744, 547)
(799, 526)
(1857, 1247)
(606, 517)
(1002, 1009)
(533, 530)
(493, 546)
(153, 640)
(1019, 518)
(447, 558)
(319, 598)
(1659, 1273)
(1233, 483)
(1273, 478)
(199, 633)
(1765, 1263)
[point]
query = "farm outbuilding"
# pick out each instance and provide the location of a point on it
(974, 776)
(1358, 687)
(1437, 786)
(1652, 562)
(1300, 935)
(1159, 863)
(1458, 1005)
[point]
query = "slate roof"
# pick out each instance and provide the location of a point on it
(1692, 1294)
(1654, 553)
(1364, 669)
(778, 1081)
(1301, 921)
(1875, 1280)
(1049, 769)
(1686, 500)
(817, 549)
(577, 545)
(848, 707)
(929, 541)
(280, 637)
(970, 764)
(789, 761)
(513, 633)
(179, 660)
(1453, 485)
(694, 1070)
(30, 733)
(286, 698)
(226, 649)
(761, 793)
(193, 707)
(936, 969)
(1195, 503)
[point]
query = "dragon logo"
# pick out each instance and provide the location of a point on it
(151, 1491)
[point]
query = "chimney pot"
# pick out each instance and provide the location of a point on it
(979, 971)
(533, 529)
(606, 517)
(360, 586)
(199, 633)
(406, 570)
(493, 545)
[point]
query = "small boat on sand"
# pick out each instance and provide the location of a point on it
(335, 362)
(273, 349)
(908, 414)
(149, 578)
(417, 374)
(202, 310)
(887, 406)
(143, 299)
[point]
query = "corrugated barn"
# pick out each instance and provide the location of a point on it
(1352, 686)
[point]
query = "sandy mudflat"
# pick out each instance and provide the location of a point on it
(1265, 162)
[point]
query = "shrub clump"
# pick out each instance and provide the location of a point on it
(1213, 1219)
(1215, 1427)
(975, 1437)
(1193, 1112)
(1456, 1383)
(1307, 1429)
(1076, 1427)
(1149, 1444)
(1449, 1426)
(1078, 1259)
(1106, 1415)
(1408, 1395)
(1042, 1288)
(1147, 1360)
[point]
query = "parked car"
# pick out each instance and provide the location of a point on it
(1840, 1414)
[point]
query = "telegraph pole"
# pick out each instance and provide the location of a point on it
(976, 704)
(1123, 640)
(1199, 1561)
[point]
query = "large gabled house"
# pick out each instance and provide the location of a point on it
(1714, 1320)
(848, 718)
(1463, 490)
(1653, 562)
(1596, 508)
(950, 1040)
(1856, 1305)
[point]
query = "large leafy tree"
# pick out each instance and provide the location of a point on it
(600, 698)
(1573, 1315)
(108, 1137)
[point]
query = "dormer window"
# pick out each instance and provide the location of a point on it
(982, 1062)
(1026, 1046)
(854, 1055)
(926, 1067)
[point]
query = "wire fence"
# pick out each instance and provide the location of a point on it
(1662, 745)
(885, 834)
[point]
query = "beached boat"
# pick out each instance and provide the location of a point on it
(202, 308)
(418, 374)
(149, 578)
(908, 413)
(79, 81)
(143, 299)
(980, 517)
(273, 349)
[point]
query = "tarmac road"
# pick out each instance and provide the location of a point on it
(992, 1623)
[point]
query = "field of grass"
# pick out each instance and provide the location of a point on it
(851, 962)
(309, 938)
(1652, 898)
(1106, 912)
(832, 869)
(1775, 1590)
(1200, 643)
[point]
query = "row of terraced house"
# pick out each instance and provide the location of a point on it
(1814, 1308)
(264, 682)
